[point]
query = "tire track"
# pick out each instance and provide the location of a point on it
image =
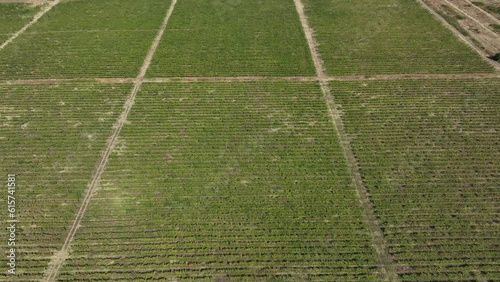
(469, 43)
(32, 22)
(59, 258)
(457, 76)
(383, 258)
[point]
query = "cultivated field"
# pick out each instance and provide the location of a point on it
(228, 140)
(13, 17)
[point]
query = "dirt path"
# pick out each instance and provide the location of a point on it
(457, 76)
(431, 5)
(383, 257)
(59, 258)
(33, 21)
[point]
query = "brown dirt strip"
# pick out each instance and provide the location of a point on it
(384, 260)
(58, 259)
(459, 35)
(34, 2)
(33, 21)
(474, 13)
(254, 78)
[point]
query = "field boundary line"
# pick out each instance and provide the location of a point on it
(58, 259)
(32, 22)
(483, 11)
(384, 260)
(469, 43)
(187, 79)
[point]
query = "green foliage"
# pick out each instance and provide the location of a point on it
(51, 137)
(428, 153)
(452, 18)
(496, 27)
(240, 179)
(85, 39)
(384, 37)
(493, 9)
(233, 38)
(76, 54)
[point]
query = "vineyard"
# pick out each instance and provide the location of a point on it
(231, 140)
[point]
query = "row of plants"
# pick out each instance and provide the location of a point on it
(215, 221)
(387, 37)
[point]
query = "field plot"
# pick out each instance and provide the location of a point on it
(240, 181)
(80, 39)
(13, 16)
(429, 153)
(51, 137)
(387, 37)
(233, 38)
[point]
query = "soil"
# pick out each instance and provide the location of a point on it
(477, 23)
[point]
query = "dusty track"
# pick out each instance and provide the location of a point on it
(255, 78)
(383, 258)
(481, 52)
(59, 258)
(33, 21)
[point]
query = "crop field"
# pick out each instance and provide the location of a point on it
(12, 17)
(232, 140)
(110, 39)
(429, 152)
(380, 36)
(211, 193)
(53, 134)
(233, 38)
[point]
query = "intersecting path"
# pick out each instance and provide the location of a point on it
(59, 258)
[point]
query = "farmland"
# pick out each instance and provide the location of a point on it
(53, 134)
(228, 140)
(429, 154)
(12, 17)
(379, 37)
(97, 45)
